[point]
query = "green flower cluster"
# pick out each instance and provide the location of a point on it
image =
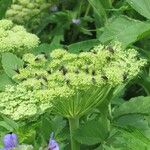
(28, 12)
(14, 38)
(69, 83)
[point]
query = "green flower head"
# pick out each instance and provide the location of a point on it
(28, 12)
(14, 38)
(69, 84)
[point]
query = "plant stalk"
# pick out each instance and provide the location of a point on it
(74, 124)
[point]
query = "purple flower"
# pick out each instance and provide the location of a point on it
(10, 141)
(76, 21)
(54, 8)
(53, 145)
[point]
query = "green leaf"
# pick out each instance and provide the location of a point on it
(135, 133)
(5, 80)
(10, 122)
(4, 4)
(138, 105)
(6, 126)
(84, 45)
(91, 133)
(124, 30)
(137, 121)
(56, 125)
(141, 6)
(46, 48)
(10, 63)
(99, 10)
(129, 138)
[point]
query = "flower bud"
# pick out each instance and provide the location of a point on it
(10, 140)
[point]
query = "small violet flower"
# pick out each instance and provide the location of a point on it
(54, 8)
(10, 141)
(76, 21)
(53, 145)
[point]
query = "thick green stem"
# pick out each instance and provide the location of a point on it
(73, 124)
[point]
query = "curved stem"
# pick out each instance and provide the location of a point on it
(73, 124)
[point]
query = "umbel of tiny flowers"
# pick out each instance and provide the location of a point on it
(10, 141)
(14, 38)
(53, 145)
(28, 12)
(69, 84)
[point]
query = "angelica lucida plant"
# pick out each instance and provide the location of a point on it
(68, 84)
(15, 38)
(29, 12)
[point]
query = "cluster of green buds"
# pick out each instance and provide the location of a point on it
(14, 38)
(28, 12)
(66, 83)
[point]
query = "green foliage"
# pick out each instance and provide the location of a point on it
(138, 105)
(93, 132)
(4, 4)
(83, 46)
(99, 11)
(141, 7)
(125, 30)
(11, 63)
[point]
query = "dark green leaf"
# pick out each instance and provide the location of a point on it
(83, 46)
(4, 4)
(141, 6)
(47, 48)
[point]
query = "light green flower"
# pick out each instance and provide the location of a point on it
(69, 84)
(28, 12)
(16, 39)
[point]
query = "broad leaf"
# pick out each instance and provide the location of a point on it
(136, 133)
(91, 133)
(129, 138)
(141, 6)
(124, 30)
(138, 105)
(137, 121)
(82, 46)
(11, 63)
(4, 4)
